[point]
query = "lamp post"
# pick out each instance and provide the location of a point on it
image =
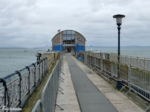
(119, 22)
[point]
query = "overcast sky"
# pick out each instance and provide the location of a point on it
(33, 23)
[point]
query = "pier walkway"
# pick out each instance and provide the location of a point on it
(85, 91)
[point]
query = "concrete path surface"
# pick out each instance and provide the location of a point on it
(89, 97)
(68, 101)
(117, 99)
(85, 91)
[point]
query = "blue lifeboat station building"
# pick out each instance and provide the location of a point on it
(68, 40)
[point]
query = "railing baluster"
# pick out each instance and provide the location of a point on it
(28, 68)
(34, 74)
(5, 91)
(20, 80)
(134, 70)
(19, 84)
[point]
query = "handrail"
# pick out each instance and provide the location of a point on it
(37, 106)
(19, 70)
(20, 85)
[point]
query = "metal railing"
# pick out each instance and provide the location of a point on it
(16, 88)
(46, 102)
(134, 71)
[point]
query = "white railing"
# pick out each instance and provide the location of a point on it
(134, 71)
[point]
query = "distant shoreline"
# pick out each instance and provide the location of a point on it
(89, 46)
(117, 46)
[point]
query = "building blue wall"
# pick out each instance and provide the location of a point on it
(58, 48)
(80, 48)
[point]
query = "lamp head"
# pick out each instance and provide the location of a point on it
(119, 18)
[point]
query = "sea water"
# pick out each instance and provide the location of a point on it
(16, 59)
(129, 51)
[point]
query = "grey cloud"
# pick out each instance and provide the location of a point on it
(30, 23)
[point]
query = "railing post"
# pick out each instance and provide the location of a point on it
(34, 74)
(126, 63)
(94, 61)
(39, 72)
(99, 61)
(54, 56)
(137, 65)
(84, 56)
(101, 65)
(112, 69)
(28, 79)
(43, 68)
(38, 63)
(5, 91)
(45, 65)
(129, 75)
(130, 60)
(20, 79)
(89, 59)
(144, 63)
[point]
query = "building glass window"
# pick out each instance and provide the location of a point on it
(72, 32)
(64, 37)
(68, 37)
(73, 37)
(68, 32)
(64, 32)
